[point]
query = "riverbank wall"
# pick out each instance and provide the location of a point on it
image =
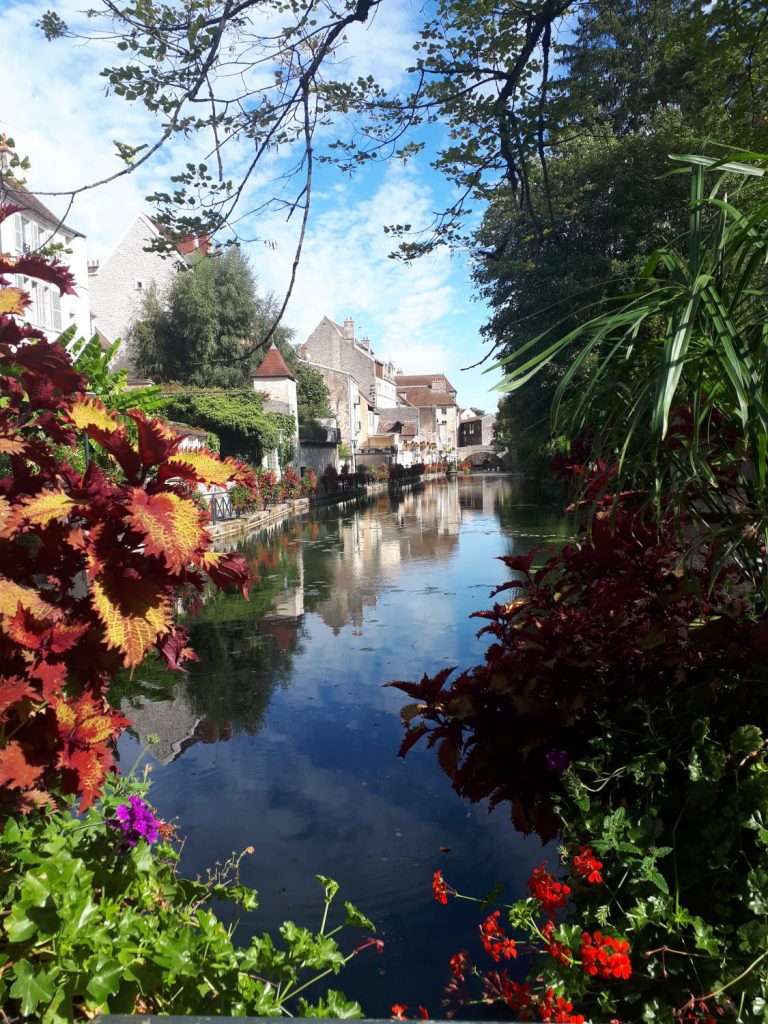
(229, 530)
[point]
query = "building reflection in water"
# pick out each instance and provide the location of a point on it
(333, 565)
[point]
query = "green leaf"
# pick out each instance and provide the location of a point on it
(356, 918)
(33, 986)
(331, 887)
(105, 980)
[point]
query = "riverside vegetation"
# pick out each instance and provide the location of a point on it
(622, 704)
(94, 915)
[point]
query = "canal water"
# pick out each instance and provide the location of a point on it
(283, 736)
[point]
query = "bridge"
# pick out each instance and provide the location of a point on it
(485, 455)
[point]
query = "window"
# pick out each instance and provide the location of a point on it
(45, 307)
(29, 234)
(139, 284)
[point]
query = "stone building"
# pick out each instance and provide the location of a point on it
(476, 430)
(360, 385)
(275, 380)
(435, 398)
(120, 282)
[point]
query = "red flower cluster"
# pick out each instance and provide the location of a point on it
(558, 1010)
(558, 950)
(440, 889)
(588, 867)
(495, 942)
(551, 894)
(499, 987)
(605, 956)
(398, 1012)
(459, 963)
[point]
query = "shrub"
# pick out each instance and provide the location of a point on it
(245, 500)
(90, 562)
(309, 482)
(100, 922)
(291, 483)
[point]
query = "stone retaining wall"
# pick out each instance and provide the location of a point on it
(224, 533)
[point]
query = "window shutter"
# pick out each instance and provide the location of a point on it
(56, 307)
(19, 225)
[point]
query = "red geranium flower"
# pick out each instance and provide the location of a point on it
(494, 940)
(558, 950)
(398, 1011)
(588, 867)
(551, 894)
(605, 956)
(459, 963)
(439, 888)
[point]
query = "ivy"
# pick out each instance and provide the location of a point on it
(237, 417)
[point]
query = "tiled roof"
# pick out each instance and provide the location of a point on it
(423, 397)
(273, 365)
(12, 192)
(406, 429)
(422, 380)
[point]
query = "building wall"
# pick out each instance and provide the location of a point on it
(345, 402)
(50, 312)
(316, 456)
(280, 389)
(120, 282)
(330, 345)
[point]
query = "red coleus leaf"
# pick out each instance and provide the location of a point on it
(14, 301)
(226, 569)
(13, 334)
(173, 647)
(157, 441)
(53, 271)
(412, 736)
(134, 614)
(52, 361)
(86, 721)
(87, 768)
(16, 772)
(173, 528)
(12, 691)
(38, 510)
(8, 209)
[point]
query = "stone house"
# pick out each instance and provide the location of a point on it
(120, 282)
(435, 398)
(336, 347)
(35, 227)
(476, 430)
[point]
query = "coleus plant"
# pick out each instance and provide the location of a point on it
(90, 563)
(606, 617)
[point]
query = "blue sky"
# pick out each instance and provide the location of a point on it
(422, 315)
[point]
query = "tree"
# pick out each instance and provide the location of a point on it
(199, 333)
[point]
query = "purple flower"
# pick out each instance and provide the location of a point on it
(136, 821)
(557, 760)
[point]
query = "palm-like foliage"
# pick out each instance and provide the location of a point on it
(671, 383)
(93, 361)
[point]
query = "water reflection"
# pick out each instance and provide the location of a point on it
(283, 736)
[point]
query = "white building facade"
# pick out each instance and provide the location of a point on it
(29, 231)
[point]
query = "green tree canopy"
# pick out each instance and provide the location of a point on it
(206, 330)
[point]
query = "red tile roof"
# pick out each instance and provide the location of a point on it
(422, 380)
(422, 397)
(273, 365)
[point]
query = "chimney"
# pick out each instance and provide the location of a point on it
(366, 343)
(349, 329)
(93, 267)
